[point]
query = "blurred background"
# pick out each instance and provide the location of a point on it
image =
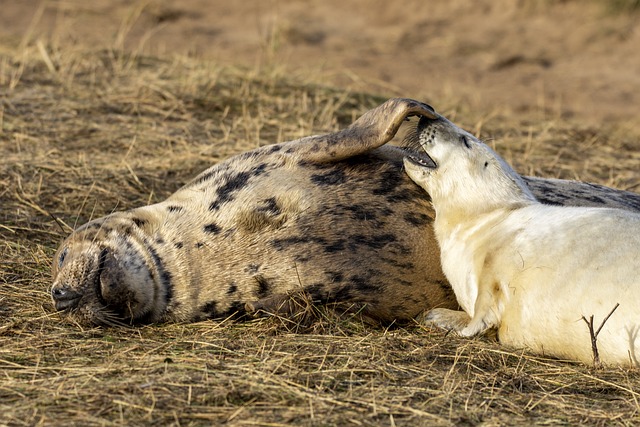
(539, 59)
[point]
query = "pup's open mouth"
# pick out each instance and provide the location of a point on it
(422, 159)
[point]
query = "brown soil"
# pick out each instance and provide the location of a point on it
(534, 58)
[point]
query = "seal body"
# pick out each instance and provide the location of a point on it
(332, 217)
(533, 271)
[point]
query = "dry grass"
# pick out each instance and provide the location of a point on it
(83, 133)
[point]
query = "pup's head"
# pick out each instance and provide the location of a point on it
(459, 171)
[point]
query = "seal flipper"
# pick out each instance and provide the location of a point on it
(444, 318)
(373, 129)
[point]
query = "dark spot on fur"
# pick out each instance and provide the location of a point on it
(596, 199)
(199, 245)
(178, 245)
(330, 178)
(385, 211)
(335, 276)
(273, 148)
(387, 183)
(363, 284)
(139, 222)
(235, 311)
(270, 205)
(233, 288)
(322, 294)
(337, 246)
(284, 243)
(263, 286)
(375, 242)
(165, 276)
(360, 212)
(315, 292)
(160, 241)
(210, 309)
(444, 285)
(407, 265)
(204, 177)
(417, 219)
(344, 293)
(174, 208)
(248, 155)
(212, 228)
(233, 183)
(551, 202)
(260, 169)
(281, 244)
(391, 187)
(266, 215)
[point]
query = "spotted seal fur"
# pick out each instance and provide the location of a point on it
(531, 270)
(331, 216)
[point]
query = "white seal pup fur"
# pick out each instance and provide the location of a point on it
(531, 270)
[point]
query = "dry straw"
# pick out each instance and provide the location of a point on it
(84, 133)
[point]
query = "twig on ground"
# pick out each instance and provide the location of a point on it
(594, 335)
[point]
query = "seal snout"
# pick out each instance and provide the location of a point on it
(65, 298)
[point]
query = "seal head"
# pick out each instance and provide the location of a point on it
(120, 284)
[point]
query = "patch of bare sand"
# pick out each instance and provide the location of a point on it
(529, 58)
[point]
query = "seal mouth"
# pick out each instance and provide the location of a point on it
(65, 299)
(422, 160)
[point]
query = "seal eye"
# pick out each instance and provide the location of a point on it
(465, 141)
(62, 256)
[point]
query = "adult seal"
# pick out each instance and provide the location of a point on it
(333, 217)
(533, 271)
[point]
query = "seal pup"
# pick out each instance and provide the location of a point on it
(332, 217)
(531, 270)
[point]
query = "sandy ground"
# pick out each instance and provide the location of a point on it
(566, 59)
